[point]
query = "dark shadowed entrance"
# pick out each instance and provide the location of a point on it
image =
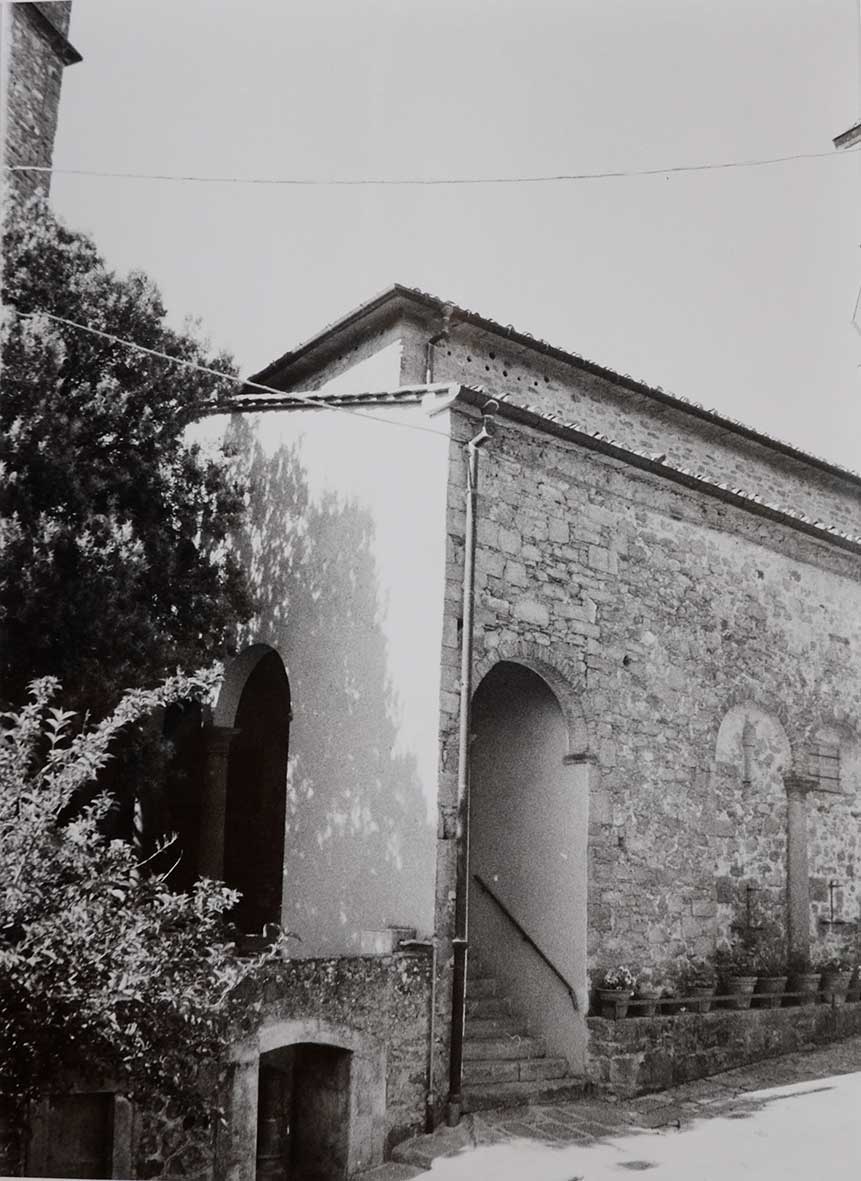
(303, 1114)
(256, 795)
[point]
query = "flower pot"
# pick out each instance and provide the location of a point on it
(807, 984)
(671, 1007)
(854, 991)
(834, 987)
(613, 1002)
(649, 1002)
(769, 991)
(702, 995)
(739, 990)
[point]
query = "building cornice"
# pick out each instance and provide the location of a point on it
(438, 398)
(384, 308)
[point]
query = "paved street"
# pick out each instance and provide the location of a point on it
(791, 1117)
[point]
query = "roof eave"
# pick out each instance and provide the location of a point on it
(848, 138)
(409, 295)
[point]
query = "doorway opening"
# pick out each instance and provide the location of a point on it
(303, 1114)
(527, 848)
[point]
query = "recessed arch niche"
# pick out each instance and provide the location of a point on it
(529, 807)
(256, 705)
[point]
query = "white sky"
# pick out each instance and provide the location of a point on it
(734, 288)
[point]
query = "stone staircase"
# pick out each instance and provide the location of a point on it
(503, 1064)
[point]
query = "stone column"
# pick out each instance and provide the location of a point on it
(797, 874)
(587, 799)
(217, 741)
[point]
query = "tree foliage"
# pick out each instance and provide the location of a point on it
(105, 973)
(114, 563)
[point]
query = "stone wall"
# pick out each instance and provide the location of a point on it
(384, 998)
(642, 1054)
(633, 419)
(37, 52)
(375, 1007)
(665, 610)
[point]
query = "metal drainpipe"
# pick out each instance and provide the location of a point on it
(461, 918)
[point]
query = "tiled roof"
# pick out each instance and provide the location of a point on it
(653, 392)
(574, 432)
(597, 441)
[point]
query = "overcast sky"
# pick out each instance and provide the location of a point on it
(735, 288)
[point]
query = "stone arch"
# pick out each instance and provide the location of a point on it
(833, 764)
(236, 674)
(753, 758)
(838, 733)
(355, 1063)
(771, 728)
(563, 677)
(244, 808)
(765, 703)
(530, 787)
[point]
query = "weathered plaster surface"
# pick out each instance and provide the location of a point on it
(345, 548)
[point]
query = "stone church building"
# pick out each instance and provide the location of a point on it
(657, 613)
(552, 671)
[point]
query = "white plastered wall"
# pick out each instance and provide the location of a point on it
(345, 547)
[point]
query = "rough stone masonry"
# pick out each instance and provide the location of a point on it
(711, 650)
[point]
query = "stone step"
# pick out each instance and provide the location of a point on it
(390, 1171)
(510, 1070)
(478, 1027)
(488, 1006)
(482, 986)
(485, 1096)
(513, 1046)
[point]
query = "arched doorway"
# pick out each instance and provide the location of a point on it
(307, 1101)
(255, 805)
(528, 842)
(303, 1113)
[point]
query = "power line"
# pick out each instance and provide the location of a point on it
(345, 182)
(311, 400)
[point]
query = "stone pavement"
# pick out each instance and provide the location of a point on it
(596, 1121)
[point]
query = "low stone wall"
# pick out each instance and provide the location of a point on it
(379, 1003)
(640, 1054)
(385, 998)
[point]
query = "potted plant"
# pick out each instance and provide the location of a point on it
(735, 963)
(803, 980)
(853, 993)
(648, 992)
(697, 981)
(615, 989)
(836, 974)
(770, 964)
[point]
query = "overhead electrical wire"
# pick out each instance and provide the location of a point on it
(312, 400)
(434, 181)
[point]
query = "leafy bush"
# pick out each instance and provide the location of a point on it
(105, 973)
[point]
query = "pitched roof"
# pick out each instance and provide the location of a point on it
(387, 303)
